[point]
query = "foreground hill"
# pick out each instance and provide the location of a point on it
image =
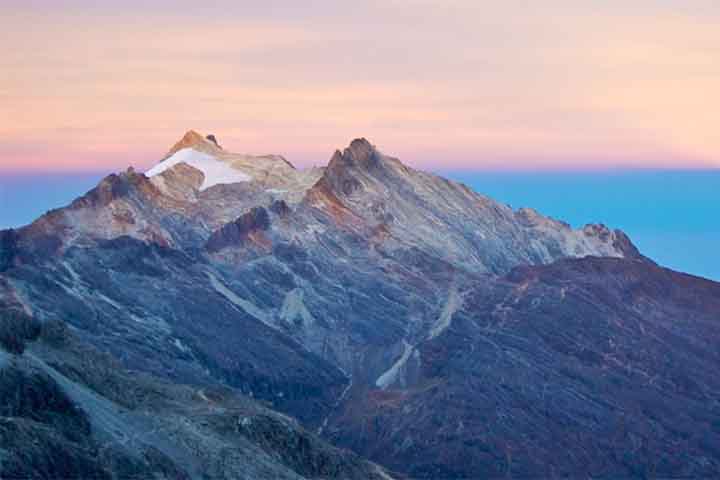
(397, 313)
(70, 411)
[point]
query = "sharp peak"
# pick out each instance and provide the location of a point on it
(192, 138)
(192, 135)
(360, 158)
(359, 152)
(361, 147)
(360, 141)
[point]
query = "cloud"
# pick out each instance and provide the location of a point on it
(543, 84)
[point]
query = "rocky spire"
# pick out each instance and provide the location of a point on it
(212, 138)
(360, 160)
(361, 151)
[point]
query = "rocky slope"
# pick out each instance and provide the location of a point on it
(69, 411)
(395, 312)
(591, 368)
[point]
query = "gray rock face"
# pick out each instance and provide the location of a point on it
(397, 313)
(69, 411)
(592, 367)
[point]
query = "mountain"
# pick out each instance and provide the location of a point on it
(393, 312)
(71, 411)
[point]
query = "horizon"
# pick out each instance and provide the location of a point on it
(668, 214)
(498, 164)
(375, 239)
(531, 96)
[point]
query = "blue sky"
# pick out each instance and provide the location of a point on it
(449, 86)
(672, 216)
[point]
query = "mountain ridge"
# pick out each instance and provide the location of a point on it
(359, 162)
(399, 314)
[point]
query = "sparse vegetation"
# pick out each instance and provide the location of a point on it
(17, 328)
(55, 333)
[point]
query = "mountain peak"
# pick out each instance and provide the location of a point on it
(190, 138)
(340, 174)
(193, 139)
(617, 238)
(360, 151)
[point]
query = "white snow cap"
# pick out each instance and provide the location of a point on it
(216, 171)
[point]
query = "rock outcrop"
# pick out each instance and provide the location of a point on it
(399, 314)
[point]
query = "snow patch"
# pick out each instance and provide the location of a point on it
(216, 171)
(391, 375)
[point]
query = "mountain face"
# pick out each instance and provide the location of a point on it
(71, 411)
(397, 314)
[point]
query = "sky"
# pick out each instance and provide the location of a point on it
(673, 216)
(589, 111)
(456, 84)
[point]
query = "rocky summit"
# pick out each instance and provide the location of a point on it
(226, 315)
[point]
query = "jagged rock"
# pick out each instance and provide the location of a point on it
(68, 411)
(255, 221)
(212, 138)
(280, 208)
(402, 315)
(580, 368)
(191, 139)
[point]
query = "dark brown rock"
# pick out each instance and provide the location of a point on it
(237, 232)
